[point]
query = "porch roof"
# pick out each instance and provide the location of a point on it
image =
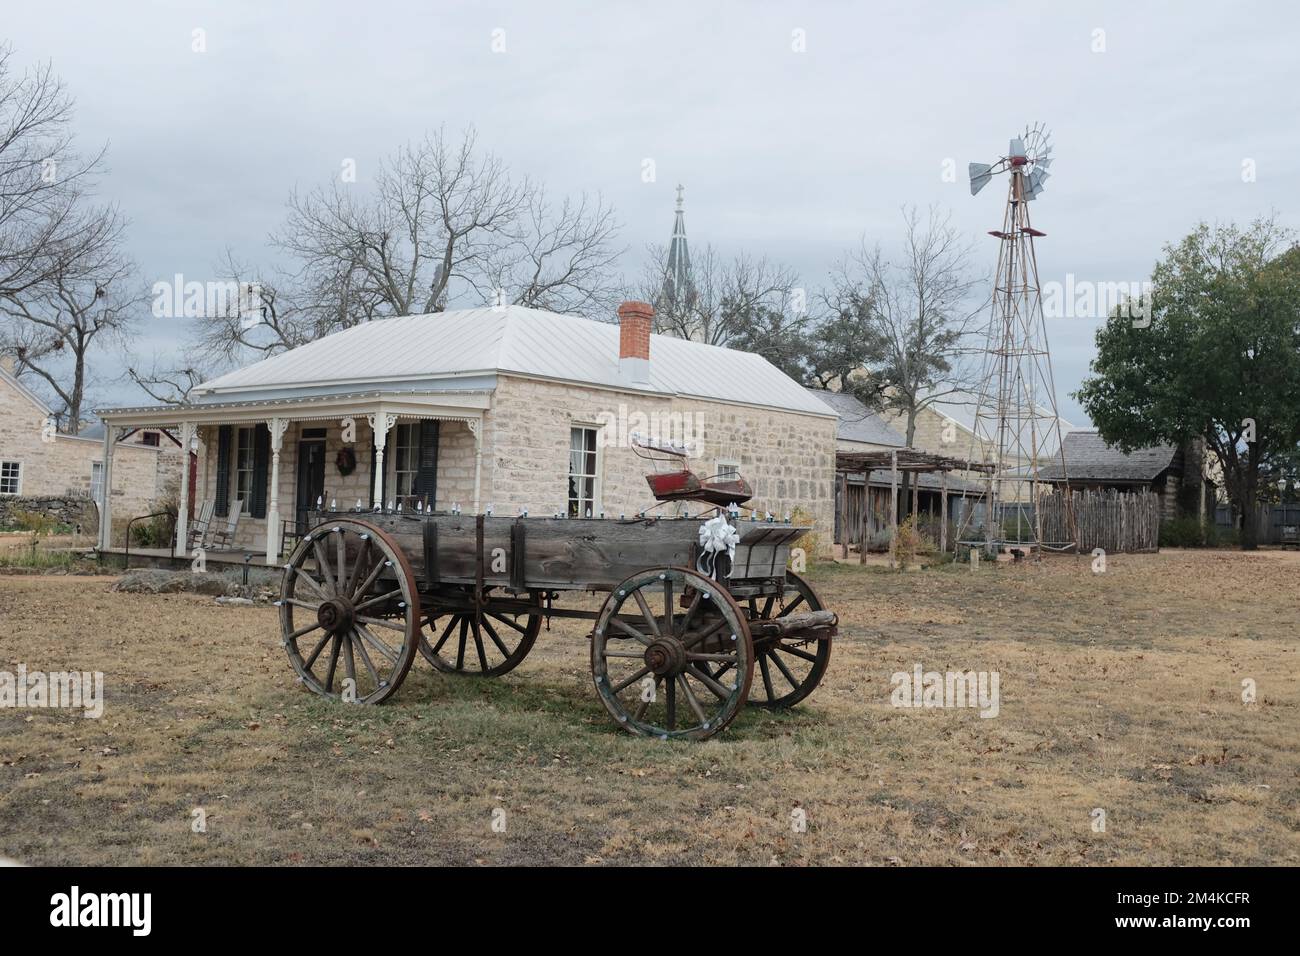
(426, 403)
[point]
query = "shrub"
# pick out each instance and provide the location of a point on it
(908, 542)
(810, 541)
(1184, 533)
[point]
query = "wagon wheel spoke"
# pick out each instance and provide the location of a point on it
(460, 651)
(505, 634)
(630, 631)
(323, 568)
(376, 643)
(645, 612)
(675, 651)
(495, 638)
(334, 662)
(478, 644)
(783, 668)
(767, 676)
(311, 660)
(360, 644)
(345, 581)
(299, 574)
(796, 651)
(446, 632)
(691, 699)
(363, 556)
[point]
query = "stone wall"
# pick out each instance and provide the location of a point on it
(789, 458)
(69, 510)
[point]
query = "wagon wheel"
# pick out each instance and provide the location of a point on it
(486, 642)
(647, 663)
(788, 668)
(350, 612)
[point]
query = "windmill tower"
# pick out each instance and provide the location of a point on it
(1017, 427)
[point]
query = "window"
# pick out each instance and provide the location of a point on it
(244, 467)
(584, 473)
(97, 481)
(406, 458)
(11, 477)
(727, 469)
(149, 438)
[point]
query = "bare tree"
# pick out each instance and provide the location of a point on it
(916, 315)
(443, 224)
(52, 325)
(724, 299)
(171, 386)
(42, 178)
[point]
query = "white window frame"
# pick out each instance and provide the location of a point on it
(598, 466)
(17, 476)
(97, 496)
(239, 469)
(724, 466)
(412, 450)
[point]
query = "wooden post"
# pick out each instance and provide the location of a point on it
(844, 514)
(893, 508)
(943, 512)
(862, 517)
(277, 427)
(106, 493)
(183, 506)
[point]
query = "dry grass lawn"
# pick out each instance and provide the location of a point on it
(1120, 691)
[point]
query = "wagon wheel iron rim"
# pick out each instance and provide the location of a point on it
(786, 669)
(648, 659)
(485, 642)
(349, 612)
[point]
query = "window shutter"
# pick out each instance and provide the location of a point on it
(224, 435)
(261, 464)
(426, 482)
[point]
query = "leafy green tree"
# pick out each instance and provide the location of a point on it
(1219, 359)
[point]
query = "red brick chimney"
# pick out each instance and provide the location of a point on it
(635, 320)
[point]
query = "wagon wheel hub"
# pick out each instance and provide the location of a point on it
(336, 615)
(666, 657)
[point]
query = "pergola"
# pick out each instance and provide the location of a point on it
(895, 461)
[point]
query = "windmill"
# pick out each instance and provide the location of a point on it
(1017, 429)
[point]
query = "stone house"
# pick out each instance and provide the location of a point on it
(45, 470)
(493, 408)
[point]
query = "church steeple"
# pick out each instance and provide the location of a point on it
(677, 280)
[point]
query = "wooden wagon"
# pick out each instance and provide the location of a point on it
(673, 650)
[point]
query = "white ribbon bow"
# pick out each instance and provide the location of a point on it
(716, 536)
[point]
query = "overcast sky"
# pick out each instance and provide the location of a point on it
(794, 155)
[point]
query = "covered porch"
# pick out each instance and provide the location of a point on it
(263, 465)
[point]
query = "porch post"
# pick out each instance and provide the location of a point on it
(943, 512)
(277, 428)
(183, 507)
(380, 424)
(893, 507)
(106, 493)
(476, 426)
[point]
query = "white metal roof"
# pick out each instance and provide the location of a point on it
(515, 340)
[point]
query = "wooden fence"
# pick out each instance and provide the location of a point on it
(1111, 520)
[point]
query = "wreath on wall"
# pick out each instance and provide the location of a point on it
(346, 461)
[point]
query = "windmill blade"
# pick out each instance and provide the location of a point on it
(980, 174)
(1044, 163)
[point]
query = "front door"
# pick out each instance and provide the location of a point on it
(311, 477)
